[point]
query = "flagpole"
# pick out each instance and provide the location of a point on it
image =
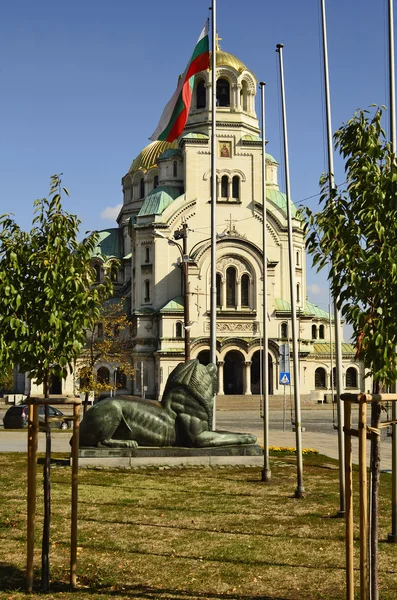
(337, 322)
(392, 537)
(300, 490)
(266, 473)
(213, 204)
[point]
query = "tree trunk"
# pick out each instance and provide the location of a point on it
(374, 499)
(45, 547)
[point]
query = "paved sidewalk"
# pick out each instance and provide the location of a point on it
(325, 444)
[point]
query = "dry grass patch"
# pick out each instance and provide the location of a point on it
(195, 533)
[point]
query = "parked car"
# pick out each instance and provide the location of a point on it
(17, 417)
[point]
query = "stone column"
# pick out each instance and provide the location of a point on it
(251, 103)
(247, 378)
(223, 294)
(236, 89)
(27, 384)
(221, 391)
(229, 189)
(238, 294)
(208, 95)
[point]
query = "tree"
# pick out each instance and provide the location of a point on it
(7, 379)
(108, 341)
(356, 233)
(47, 296)
(47, 302)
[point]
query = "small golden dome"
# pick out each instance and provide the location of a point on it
(225, 59)
(149, 155)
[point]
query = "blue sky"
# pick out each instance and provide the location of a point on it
(83, 84)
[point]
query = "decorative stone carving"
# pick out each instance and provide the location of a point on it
(232, 327)
(233, 261)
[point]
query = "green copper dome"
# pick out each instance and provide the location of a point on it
(157, 201)
(280, 200)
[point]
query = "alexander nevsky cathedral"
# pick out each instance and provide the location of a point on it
(166, 191)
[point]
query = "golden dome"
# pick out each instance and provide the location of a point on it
(225, 59)
(149, 155)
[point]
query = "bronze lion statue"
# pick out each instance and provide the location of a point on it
(182, 418)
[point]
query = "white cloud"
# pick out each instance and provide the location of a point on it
(111, 212)
(315, 289)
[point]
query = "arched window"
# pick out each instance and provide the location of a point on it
(284, 331)
(142, 188)
(244, 96)
(319, 378)
(113, 274)
(97, 269)
(100, 330)
(231, 286)
(236, 187)
(147, 255)
(298, 292)
(222, 92)
(298, 258)
(224, 186)
(147, 291)
(321, 330)
(155, 182)
(103, 375)
(174, 168)
(200, 94)
(218, 289)
(314, 332)
(178, 329)
(121, 379)
(116, 331)
(245, 289)
(351, 378)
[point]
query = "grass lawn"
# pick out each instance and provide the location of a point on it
(191, 533)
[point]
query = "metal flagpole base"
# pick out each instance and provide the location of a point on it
(266, 475)
(392, 538)
(300, 492)
(340, 514)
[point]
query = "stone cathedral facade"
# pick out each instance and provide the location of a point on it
(168, 187)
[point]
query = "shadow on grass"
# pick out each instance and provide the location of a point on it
(215, 559)
(220, 531)
(11, 578)
(59, 462)
(162, 489)
(153, 593)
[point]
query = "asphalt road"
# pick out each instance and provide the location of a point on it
(318, 421)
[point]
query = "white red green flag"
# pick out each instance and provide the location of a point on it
(175, 114)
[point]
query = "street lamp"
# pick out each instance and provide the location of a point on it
(182, 234)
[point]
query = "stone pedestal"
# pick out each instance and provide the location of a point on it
(249, 454)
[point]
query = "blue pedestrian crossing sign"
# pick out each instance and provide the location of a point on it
(285, 378)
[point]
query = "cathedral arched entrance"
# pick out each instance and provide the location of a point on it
(256, 373)
(204, 357)
(233, 373)
(55, 385)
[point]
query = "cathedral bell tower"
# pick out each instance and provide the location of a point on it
(235, 92)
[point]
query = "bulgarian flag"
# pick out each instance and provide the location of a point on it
(175, 114)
